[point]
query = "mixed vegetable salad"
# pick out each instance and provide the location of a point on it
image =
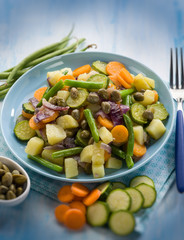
(92, 118)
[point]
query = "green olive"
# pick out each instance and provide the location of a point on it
(19, 179)
(3, 189)
(2, 172)
(10, 195)
(12, 188)
(138, 96)
(19, 191)
(7, 179)
(15, 172)
(1, 165)
(2, 197)
(5, 168)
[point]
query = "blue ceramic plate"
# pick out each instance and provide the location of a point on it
(24, 88)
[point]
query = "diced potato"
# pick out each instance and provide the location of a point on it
(85, 76)
(67, 121)
(149, 98)
(98, 154)
(47, 154)
(113, 163)
(140, 82)
(139, 134)
(55, 133)
(53, 77)
(63, 94)
(105, 135)
(156, 129)
(150, 82)
(98, 171)
(86, 154)
(71, 167)
(63, 70)
(34, 146)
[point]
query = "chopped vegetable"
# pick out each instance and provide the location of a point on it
(79, 190)
(81, 70)
(38, 94)
(114, 67)
(139, 150)
(82, 84)
(65, 194)
(92, 197)
(60, 212)
(91, 122)
(74, 219)
(120, 134)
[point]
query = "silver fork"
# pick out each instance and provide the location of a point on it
(177, 90)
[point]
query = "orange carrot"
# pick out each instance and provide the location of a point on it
(66, 77)
(65, 194)
(111, 85)
(120, 134)
(105, 122)
(92, 197)
(139, 150)
(114, 67)
(114, 79)
(60, 212)
(35, 125)
(51, 118)
(106, 156)
(27, 115)
(38, 94)
(156, 95)
(81, 70)
(78, 205)
(123, 82)
(79, 190)
(74, 219)
(124, 73)
(76, 198)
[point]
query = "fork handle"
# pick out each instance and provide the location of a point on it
(179, 151)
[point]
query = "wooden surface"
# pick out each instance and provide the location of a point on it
(142, 30)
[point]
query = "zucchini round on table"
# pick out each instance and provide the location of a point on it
(79, 101)
(105, 189)
(137, 199)
(141, 179)
(116, 185)
(23, 131)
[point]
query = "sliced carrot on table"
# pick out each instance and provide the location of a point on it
(114, 67)
(106, 156)
(139, 150)
(123, 82)
(120, 134)
(105, 122)
(27, 115)
(83, 69)
(38, 94)
(60, 212)
(124, 73)
(92, 197)
(79, 190)
(51, 118)
(78, 205)
(74, 219)
(76, 198)
(65, 194)
(35, 125)
(114, 79)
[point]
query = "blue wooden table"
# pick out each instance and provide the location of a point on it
(140, 29)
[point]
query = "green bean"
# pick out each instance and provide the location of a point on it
(92, 125)
(116, 151)
(127, 100)
(46, 163)
(88, 46)
(52, 91)
(126, 92)
(5, 86)
(4, 92)
(5, 75)
(67, 152)
(83, 84)
(130, 144)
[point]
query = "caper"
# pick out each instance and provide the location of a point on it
(12, 188)
(106, 107)
(19, 179)
(3, 189)
(76, 114)
(93, 98)
(1, 165)
(2, 172)
(115, 96)
(85, 134)
(53, 100)
(142, 90)
(15, 172)
(61, 102)
(2, 197)
(64, 112)
(74, 93)
(138, 96)
(84, 124)
(91, 141)
(7, 179)
(10, 195)
(103, 94)
(147, 114)
(5, 168)
(19, 191)
(69, 133)
(146, 138)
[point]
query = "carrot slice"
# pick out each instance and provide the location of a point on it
(60, 212)
(114, 67)
(92, 197)
(114, 79)
(51, 118)
(78, 205)
(123, 82)
(64, 78)
(156, 95)
(38, 94)
(35, 125)
(65, 194)
(76, 198)
(79, 190)
(105, 122)
(106, 156)
(120, 134)
(124, 73)
(74, 219)
(81, 70)
(27, 115)
(139, 150)
(111, 85)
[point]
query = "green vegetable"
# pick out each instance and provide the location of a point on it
(79, 101)
(116, 185)
(159, 111)
(28, 108)
(92, 125)
(67, 152)
(105, 189)
(137, 110)
(23, 131)
(81, 141)
(99, 78)
(83, 84)
(136, 199)
(141, 179)
(100, 67)
(116, 151)
(127, 100)
(127, 92)
(46, 163)
(130, 144)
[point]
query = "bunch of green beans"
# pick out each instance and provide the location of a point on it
(10, 75)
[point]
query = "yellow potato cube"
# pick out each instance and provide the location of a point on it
(55, 133)
(67, 121)
(71, 167)
(105, 135)
(86, 154)
(113, 163)
(34, 146)
(156, 129)
(98, 171)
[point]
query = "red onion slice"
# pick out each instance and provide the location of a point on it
(52, 106)
(106, 147)
(33, 101)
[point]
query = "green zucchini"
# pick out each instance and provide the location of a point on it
(105, 189)
(100, 67)
(158, 110)
(23, 131)
(79, 101)
(116, 185)
(28, 108)
(99, 78)
(20, 118)
(136, 199)
(137, 110)
(141, 179)
(81, 141)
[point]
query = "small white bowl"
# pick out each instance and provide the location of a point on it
(12, 165)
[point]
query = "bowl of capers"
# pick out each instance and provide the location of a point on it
(14, 182)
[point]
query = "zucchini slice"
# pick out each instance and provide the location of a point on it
(23, 131)
(105, 189)
(137, 110)
(99, 78)
(159, 111)
(28, 108)
(20, 118)
(149, 194)
(118, 199)
(100, 67)
(136, 199)
(122, 222)
(141, 179)
(79, 101)
(116, 185)
(97, 214)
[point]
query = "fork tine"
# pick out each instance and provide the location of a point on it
(171, 69)
(182, 70)
(177, 77)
